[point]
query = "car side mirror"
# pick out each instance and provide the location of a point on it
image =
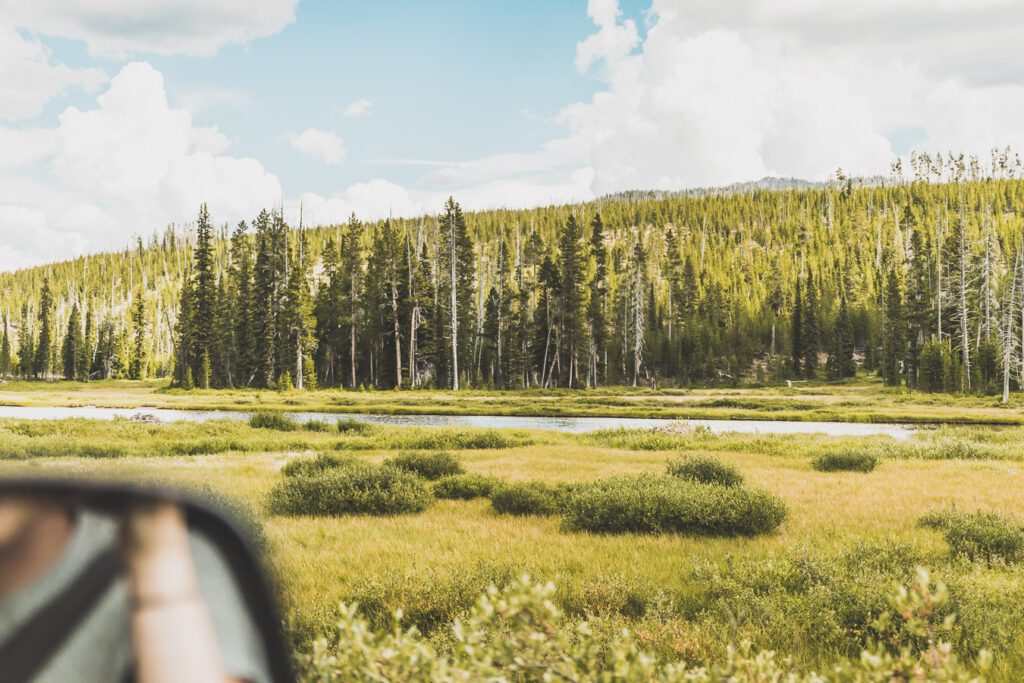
(111, 581)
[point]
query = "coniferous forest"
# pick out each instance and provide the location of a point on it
(918, 278)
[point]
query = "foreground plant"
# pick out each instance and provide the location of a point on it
(519, 634)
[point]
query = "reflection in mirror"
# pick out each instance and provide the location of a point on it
(120, 592)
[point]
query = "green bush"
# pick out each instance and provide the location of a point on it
(305, 467)
(845, 461)
(316, 426)
(705, 470)
(358, 489)
(268, 419)
(350, 426)
(527, 498)
(986, 536)
(428, 465)
(648, 504)
(466, 486)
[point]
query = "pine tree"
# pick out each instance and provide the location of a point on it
(298, 315)
(43, 366)
(90, 345)
(810, 340)
(457, 283)
(240, 288)
(894, 338)
(137, 369)
(796, 337)
(5, 351)
(596, 306)
(73, 348)
(26, 345)
(570, 304)
(352, 284)
(204, 293)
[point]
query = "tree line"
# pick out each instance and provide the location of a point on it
(920, 280)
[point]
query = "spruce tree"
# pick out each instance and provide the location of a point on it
(73, 348)
(240, 287)
(140, 329)
(43, 366)
(597, 304)
(796, 338)
(204, 292)
(893, 338)
(810, 340)
(26, 345)
(5, 351)
(572, 330)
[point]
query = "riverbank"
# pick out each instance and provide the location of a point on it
(864, 401)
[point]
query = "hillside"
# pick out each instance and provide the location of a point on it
(913, 278)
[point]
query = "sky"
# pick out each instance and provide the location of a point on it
(119, 117)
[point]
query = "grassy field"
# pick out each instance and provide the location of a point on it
(865, 400)
(811, 590)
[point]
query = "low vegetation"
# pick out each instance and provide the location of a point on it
(428, 465)
(466, 486)
(845, 461)
(980, 536)
(704, 470)
(358, 489)
(268, 419)
(527, 498)
(648, 504)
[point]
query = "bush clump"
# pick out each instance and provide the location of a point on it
(466, 486)
(527, 498)
(428, 465)
(307, 467)
(845, 461)
(705, 470)
(316, 426)
(648, 504)
(350, 426)
(358, 489)
(986, 536)
(268, 419)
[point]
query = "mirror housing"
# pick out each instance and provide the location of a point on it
(208, 521)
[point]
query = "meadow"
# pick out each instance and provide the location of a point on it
(812, 590)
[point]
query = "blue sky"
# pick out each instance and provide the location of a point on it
(119, 118)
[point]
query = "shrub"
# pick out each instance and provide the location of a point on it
(358, 489)
(305, 467)
(845, 461)
(267, 419)
(316, 426)
(986, 536)
(705, 470)
(350, 426)
(466, 486)
(526, 498)
(428, 465)
(647, 504)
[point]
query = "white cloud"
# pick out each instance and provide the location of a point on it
(322, 145)
(117, 27)
(131, 165)
(361, 107)
(28, 79)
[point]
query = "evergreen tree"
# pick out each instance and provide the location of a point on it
(43, 365)
(137, 369)
(796, 337)
(240, 289)
(810, 340)
(204, 294)
(457, 284)
(572, 320)
(26, 345)
(73, 350)
(597, 305)
(894, 338)
(90, 345)
(5, 351)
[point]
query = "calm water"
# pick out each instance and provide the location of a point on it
(572, 425)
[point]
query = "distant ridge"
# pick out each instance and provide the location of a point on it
(768, 183)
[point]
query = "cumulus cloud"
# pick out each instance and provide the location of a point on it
(361, 107)
(117, 27)
(322, 145)
(28, 79)
(131, 165)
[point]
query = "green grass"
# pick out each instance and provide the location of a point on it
(811, 590)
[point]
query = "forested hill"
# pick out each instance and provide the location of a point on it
(920, 280)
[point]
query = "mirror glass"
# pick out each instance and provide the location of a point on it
(129, 589)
